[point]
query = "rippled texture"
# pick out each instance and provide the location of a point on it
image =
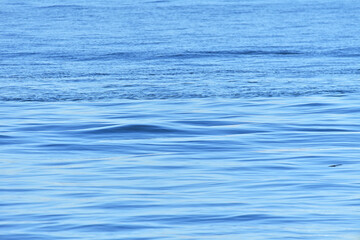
(155, 120)
(105, 50)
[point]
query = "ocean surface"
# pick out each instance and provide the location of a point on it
(175, 120)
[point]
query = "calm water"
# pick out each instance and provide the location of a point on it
(149, 120)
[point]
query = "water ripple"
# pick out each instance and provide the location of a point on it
(179, 120)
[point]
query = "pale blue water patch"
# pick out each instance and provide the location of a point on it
(179, 120)
(224, 169)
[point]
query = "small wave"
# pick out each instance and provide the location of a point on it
(7, 55)
(208, 123)
(346, 52)
(314, 130)
(5, 137)
(106, 227)
(17, 236)
(205, 219)
(150, 55)
(116, 56)
(158, 1)
(229, 53)
(63, 6)
(133, 128)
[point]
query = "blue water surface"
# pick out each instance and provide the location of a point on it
(149, 120)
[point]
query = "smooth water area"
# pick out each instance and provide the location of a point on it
(179, 120)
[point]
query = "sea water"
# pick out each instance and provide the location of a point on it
(217, 119)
